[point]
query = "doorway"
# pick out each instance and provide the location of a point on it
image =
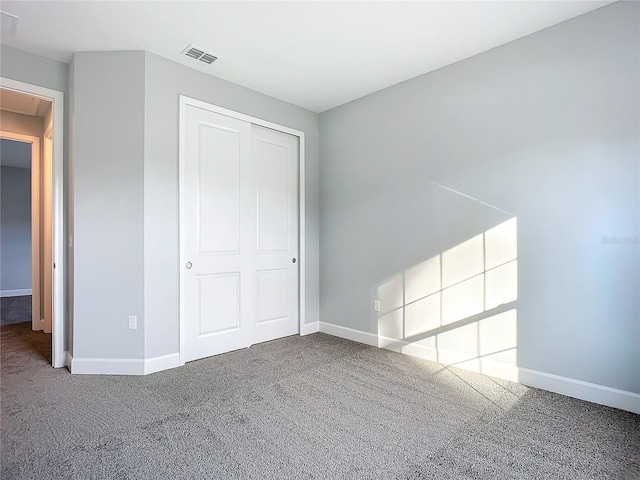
(17, 231)
(32, 121)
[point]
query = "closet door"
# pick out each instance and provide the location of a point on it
(217, 226)
(276, 243)
(239, 234)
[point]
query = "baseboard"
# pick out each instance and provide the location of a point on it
(570, 387)
(163, 362)
(413, 349)
(349, 334)
(484, 366)
(15, 293)
(122, 366)
(308, 328)
(591, 392)
(107, 366)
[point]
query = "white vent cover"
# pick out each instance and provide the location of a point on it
(199, 54)
(9, 23)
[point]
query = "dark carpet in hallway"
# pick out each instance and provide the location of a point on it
(15, 309)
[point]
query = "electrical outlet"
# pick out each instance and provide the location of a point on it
(133, 322)
(376, 305)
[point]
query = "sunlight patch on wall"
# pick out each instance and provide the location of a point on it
(457, 308)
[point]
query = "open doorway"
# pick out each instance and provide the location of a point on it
(31, 275)
(17, 232)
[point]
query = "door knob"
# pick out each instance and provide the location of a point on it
(188, 265)
(294, 260)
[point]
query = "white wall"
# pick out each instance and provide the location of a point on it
(545, 128)
(165, 81)
(15, 230)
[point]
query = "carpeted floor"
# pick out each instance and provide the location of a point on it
(15, 309)
(299, 408)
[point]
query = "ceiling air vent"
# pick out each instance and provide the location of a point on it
(208, 58)
(9, 23)
(199, 54)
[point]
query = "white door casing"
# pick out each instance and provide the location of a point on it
(239, 234)
(58, 320)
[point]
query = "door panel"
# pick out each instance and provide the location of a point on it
(218, 201)
(218, 303)
(273, 295)
(273, 199)
(216, 275)
(276, 155)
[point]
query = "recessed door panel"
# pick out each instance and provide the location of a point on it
(218, 189)
(273, 196)
(218, 303)
(273, 295)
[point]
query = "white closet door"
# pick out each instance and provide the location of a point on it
(218, 224)
(239, 238)
(276, 243)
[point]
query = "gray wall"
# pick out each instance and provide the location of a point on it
(545, 128)
(27, 67)
(165, 81)
(108, 153)
(15, 228)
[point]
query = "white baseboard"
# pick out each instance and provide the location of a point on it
(570, 387)
(107, 366)
(15, 293)
(122, 366)
(163, 362)
(480, 365)
(308, 328)
(349, 334)
(591, 392)
(413, 349)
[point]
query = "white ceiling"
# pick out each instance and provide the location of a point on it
(317, 55)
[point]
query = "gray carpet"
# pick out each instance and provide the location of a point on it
(299, 408)
(15, 309)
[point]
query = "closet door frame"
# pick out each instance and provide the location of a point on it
(184, 102)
